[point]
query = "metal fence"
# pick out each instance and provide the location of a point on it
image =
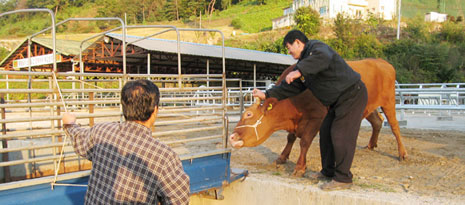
(33, 138)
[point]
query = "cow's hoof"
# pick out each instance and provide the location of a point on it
(280, 161)
(298, 173)
(371, 147)
(403, 156)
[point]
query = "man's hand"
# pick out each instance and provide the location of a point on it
(258, 93)
(292, 76)
(68, 118)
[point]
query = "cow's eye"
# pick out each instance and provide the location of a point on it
(248, 114)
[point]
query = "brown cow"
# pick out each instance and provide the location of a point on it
(303, 114)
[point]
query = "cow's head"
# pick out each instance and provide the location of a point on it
(259, 121)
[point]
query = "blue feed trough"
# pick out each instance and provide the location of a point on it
(206, 173)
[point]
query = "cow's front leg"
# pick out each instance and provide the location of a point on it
(301, 165)
(287, 150)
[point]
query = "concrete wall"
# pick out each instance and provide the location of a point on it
(268, 189)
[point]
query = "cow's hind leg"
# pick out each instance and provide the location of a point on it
(376, 121)
(287, 150)
(390, 113)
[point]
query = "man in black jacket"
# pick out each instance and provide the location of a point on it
(336, 85)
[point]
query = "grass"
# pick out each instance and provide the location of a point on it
(412, 8)
(254, 18)
(276, 173)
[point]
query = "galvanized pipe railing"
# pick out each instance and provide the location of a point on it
(193, 118)
(52, 17)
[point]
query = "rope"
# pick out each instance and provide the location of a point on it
(57, 167)
(259, 121)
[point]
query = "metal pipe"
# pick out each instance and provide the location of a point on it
(175, 132)
(196, 139)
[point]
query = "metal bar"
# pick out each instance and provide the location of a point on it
(196, 139)
(36, 159)
(43, 180)
(200, 119)
(24, 105)
(34, 147)
(87, 90)
(31, 134)
(176, 76)
(109, 75)
(430, 107)
(157, 134)
(204, 154)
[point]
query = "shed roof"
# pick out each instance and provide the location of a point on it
(64, 47)
(197, 49)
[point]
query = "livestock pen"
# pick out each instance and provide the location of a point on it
(38, 163)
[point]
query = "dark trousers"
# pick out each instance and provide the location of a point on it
(339, 131)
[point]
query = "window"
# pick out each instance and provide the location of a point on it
(323, 10)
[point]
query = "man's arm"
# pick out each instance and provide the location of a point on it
(174, 181)
(318, 60)
(81, 137)
(285, 90)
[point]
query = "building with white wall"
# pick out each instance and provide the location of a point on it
(329, 9)
(435, 17)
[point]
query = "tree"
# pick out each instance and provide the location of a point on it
(307, 20)
(211, 7)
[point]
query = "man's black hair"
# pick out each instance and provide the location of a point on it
(293, 35)
(139, 99)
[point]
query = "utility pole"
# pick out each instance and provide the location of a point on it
(398, 19)
(177, 11)
(444, 8)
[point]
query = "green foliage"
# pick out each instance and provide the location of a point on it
(452, 32)
(427, 62)
(252, 17)
(417, 29)
(367, 46)
(3, 53)
(307, 20)
(354, 39)
(236, 23)
(275, 46)
(346, 28)
(267, 42)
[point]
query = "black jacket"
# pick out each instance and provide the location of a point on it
(323, 71)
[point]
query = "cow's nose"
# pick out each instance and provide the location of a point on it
(234, 137)
(235, 141)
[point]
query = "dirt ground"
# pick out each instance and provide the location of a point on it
(435, 167)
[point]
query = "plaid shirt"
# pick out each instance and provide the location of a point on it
(129, 165)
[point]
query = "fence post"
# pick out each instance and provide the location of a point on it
(91, 109)
(6, 170)
(241, 98)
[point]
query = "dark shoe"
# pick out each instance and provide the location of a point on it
(335, 185)
(318, 176)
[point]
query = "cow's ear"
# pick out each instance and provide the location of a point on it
(268, 105)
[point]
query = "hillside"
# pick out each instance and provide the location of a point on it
(244, 16)
(412, 8)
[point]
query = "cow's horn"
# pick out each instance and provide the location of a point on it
(257, 100)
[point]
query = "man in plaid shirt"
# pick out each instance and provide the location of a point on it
(128, 164)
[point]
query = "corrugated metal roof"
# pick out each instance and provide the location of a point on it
(64, 47)
(197, 49)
